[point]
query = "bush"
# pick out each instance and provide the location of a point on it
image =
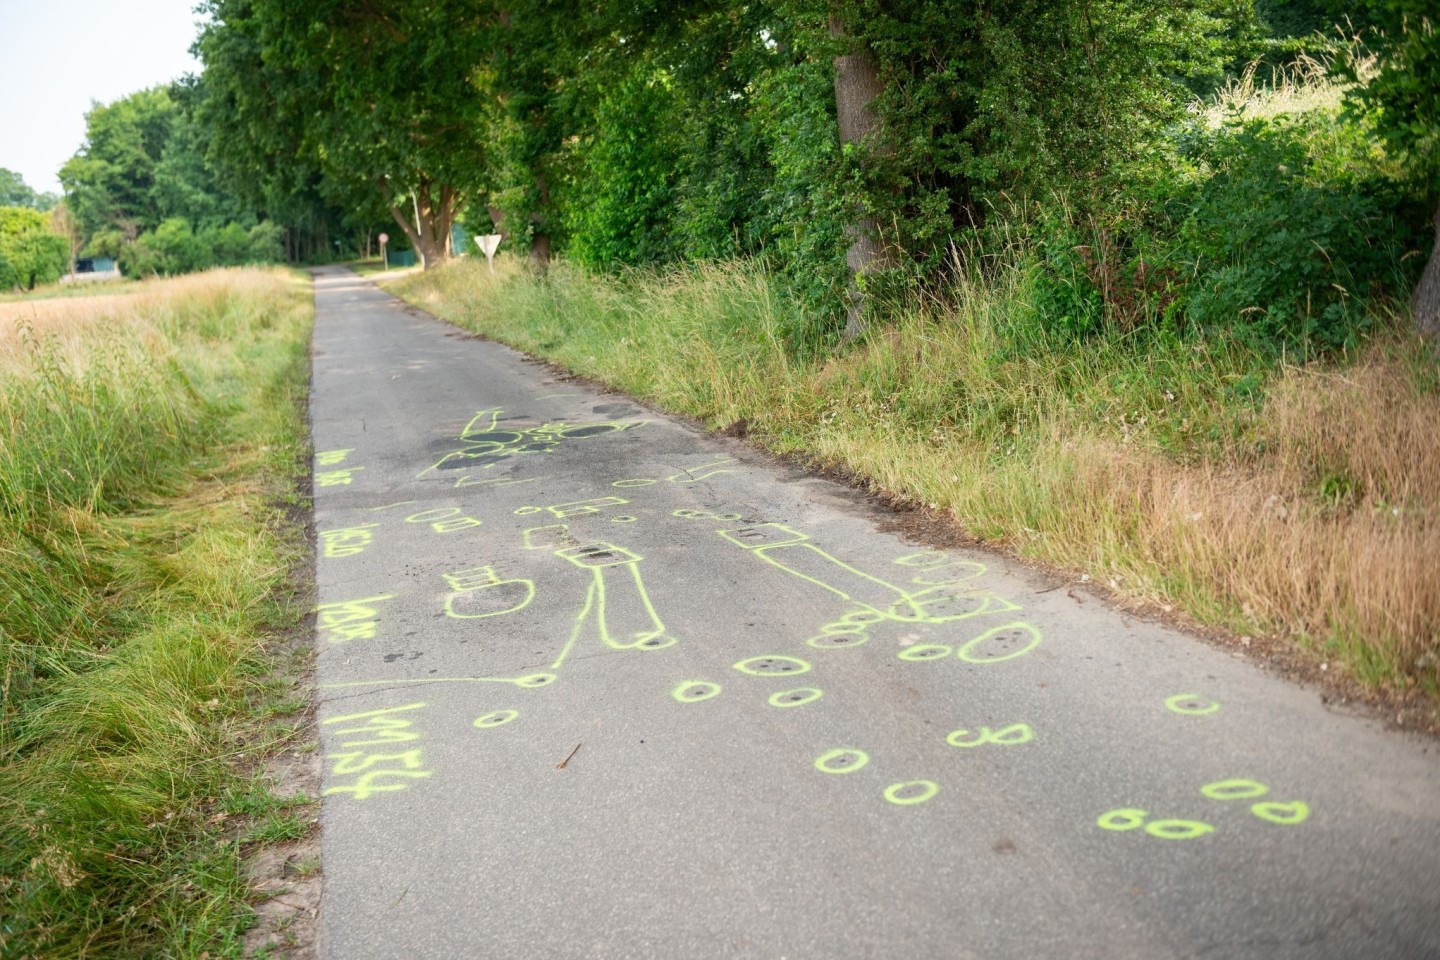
(29, 253)
(229, 245)
(1278, 229)
(266, 243)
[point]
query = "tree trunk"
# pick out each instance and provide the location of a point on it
(497, 217)
(1425, 303)
(540, 239)
(429, 232)
(857, 84)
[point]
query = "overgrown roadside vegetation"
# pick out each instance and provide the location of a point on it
(149, 452)
(1273, 471)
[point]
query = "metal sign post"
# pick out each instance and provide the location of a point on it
(489, 243)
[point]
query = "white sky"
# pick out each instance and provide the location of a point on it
(58, 55)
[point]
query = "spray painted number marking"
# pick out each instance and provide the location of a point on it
(350, 619)
(329, 458)
(337, 478)
(374, 772)
(347, 541)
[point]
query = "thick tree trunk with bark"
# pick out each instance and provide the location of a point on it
(857, 84)
(1425, 303)
(434, 213)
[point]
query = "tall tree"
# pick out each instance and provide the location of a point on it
(110, 179)
(380, 98)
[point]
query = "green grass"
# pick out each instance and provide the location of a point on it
(144, 563)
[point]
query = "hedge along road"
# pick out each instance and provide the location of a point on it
(594, 685)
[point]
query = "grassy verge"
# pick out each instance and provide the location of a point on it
(1297, 503)
(147, 448)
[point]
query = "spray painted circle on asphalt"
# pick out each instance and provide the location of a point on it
(1001, 643)
(836, 640)
(1190, 705)
(694, 691)
(774, 665)
(925, 651)
(496, 718)
(795, 698)
(907, 793)
(841, 760)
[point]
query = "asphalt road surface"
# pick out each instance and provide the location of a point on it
(595, 685)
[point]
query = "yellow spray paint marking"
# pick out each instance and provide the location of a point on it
(379, 727)
(789, 550)
(579, 508)
(480, 592)
(910, 792)
(1126, 818)
(330, 458)
(795, 698)
(1190, 704)
(1286, 814)
(841, 760)
(529, 681)
(1178, 829)
(337, 478)
(347, 541)
(925, 651)
(1238, 789)
(468, 481)
(486, 442)
(1132, 818)
(772, 666)
(637, 482)
(958, 571)
(617, 597)
(546, 538)
(349, 619)
(704, 515)
(374, 772)
(693, 691)
(924, 558)
(836, 639)
(359, 762)
(690, 476)
(1001, 643)
(1012, 735)
(444, 519)
(496, 718)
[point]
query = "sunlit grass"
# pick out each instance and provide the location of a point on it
(146, 443)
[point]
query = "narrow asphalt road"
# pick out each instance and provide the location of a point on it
(595, 685)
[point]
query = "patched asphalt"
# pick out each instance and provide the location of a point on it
(593, 684)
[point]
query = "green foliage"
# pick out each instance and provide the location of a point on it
(1283, 230)
(1405, 95)
(625, 189)
(109, 182)
(29, 253)
(14, 192)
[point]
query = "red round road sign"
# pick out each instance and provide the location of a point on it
(384, 238)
